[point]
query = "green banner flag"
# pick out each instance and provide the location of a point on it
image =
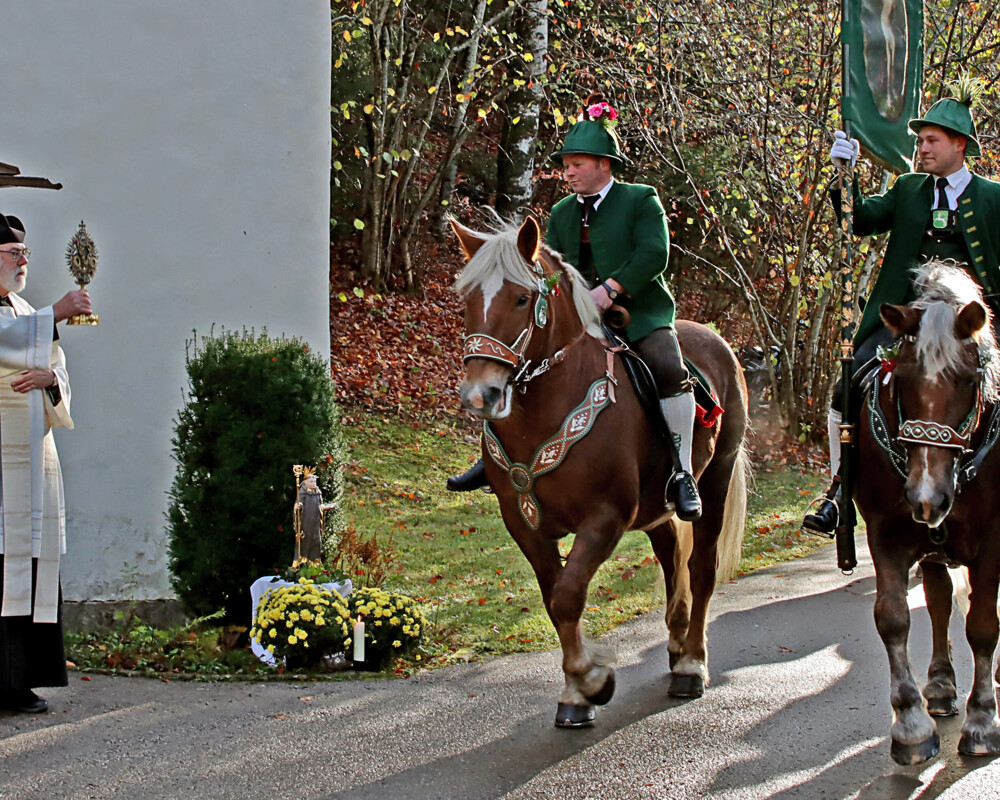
(883, 75)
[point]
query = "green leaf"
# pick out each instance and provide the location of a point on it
(359, 224)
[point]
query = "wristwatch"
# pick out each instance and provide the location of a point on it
(612, 293)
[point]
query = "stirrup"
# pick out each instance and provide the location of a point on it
(818, 524)
(682, 482)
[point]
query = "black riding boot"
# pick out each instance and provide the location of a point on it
(687, 502)
(475, 478)
(824, 521)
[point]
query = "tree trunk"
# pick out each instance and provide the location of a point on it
(516, 156)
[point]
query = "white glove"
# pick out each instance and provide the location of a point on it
(844, 149)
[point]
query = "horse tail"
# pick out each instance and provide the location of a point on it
(734, 518)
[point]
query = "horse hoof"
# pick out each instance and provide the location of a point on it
(686, 686)
(910, 754)
(942, 707)
(980, 744)
(603, 695)
(570, 716)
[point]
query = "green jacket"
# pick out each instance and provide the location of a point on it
(905, 211)
(629, 242)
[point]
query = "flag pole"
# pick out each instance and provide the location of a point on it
(846, 554)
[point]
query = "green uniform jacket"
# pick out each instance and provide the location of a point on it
(629, 242)
(905, 210)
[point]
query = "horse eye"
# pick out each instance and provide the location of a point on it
(522, 300)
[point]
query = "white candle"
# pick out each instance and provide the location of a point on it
(359, 640)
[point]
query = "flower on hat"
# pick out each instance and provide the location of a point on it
(603, 113)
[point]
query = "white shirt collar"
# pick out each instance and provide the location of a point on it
(600, 195)
(958, 181)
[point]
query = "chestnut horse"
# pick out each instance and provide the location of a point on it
(928, 495)
(569, 449)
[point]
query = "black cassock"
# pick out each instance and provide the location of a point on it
(32, 654)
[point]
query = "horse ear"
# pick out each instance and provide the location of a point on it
(468, 239)
(970, 320)
(900, 320)
(529, 239)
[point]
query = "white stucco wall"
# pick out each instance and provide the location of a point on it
(193, 138)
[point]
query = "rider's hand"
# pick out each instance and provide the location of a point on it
(600, 297)
(844, 149)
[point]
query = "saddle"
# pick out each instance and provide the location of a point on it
(707, 407)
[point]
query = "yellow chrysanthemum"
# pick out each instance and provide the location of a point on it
(273, 633)
(397, 643)
(292, 640)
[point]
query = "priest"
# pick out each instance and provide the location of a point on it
(34, 397)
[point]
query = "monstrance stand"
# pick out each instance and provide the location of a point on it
(81, 258)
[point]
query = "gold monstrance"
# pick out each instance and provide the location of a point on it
(81, 258)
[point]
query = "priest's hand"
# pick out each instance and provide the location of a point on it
(844, 149)
(33, 379)
(72, 303)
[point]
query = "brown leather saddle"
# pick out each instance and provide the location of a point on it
(641, 377)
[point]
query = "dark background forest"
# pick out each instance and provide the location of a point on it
(448, 107)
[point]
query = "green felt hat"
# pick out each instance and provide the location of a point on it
(591, 138)
(954, 117)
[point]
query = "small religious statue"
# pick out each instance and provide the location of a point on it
(308, 516)
(81, 258)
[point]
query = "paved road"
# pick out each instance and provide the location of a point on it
(798, 708)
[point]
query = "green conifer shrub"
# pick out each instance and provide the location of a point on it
(255, 406)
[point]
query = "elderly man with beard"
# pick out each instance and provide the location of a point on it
(34, 397)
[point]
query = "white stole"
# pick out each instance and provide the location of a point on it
(33, 519)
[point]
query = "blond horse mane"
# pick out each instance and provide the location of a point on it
(944, 289)
(498, 260)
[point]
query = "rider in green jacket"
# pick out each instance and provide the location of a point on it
(944, 212)
(615, 234)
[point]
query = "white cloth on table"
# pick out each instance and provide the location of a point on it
(261, 585)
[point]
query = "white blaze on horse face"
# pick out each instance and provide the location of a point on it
(930, 479)
(490, 288)
(924, 479)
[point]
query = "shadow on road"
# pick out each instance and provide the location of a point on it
(811, 719)
(843, 724)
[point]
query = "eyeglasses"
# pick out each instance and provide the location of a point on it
(17, 253)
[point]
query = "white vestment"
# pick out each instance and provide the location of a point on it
(32, 512)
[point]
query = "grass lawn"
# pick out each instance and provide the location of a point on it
(454, 555)
(479, 592)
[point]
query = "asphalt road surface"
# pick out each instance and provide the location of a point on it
(798, 708)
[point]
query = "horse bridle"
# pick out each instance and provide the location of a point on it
(481, 345)
(936, 434)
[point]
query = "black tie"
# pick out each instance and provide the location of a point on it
(589, 202)
(942, 198)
